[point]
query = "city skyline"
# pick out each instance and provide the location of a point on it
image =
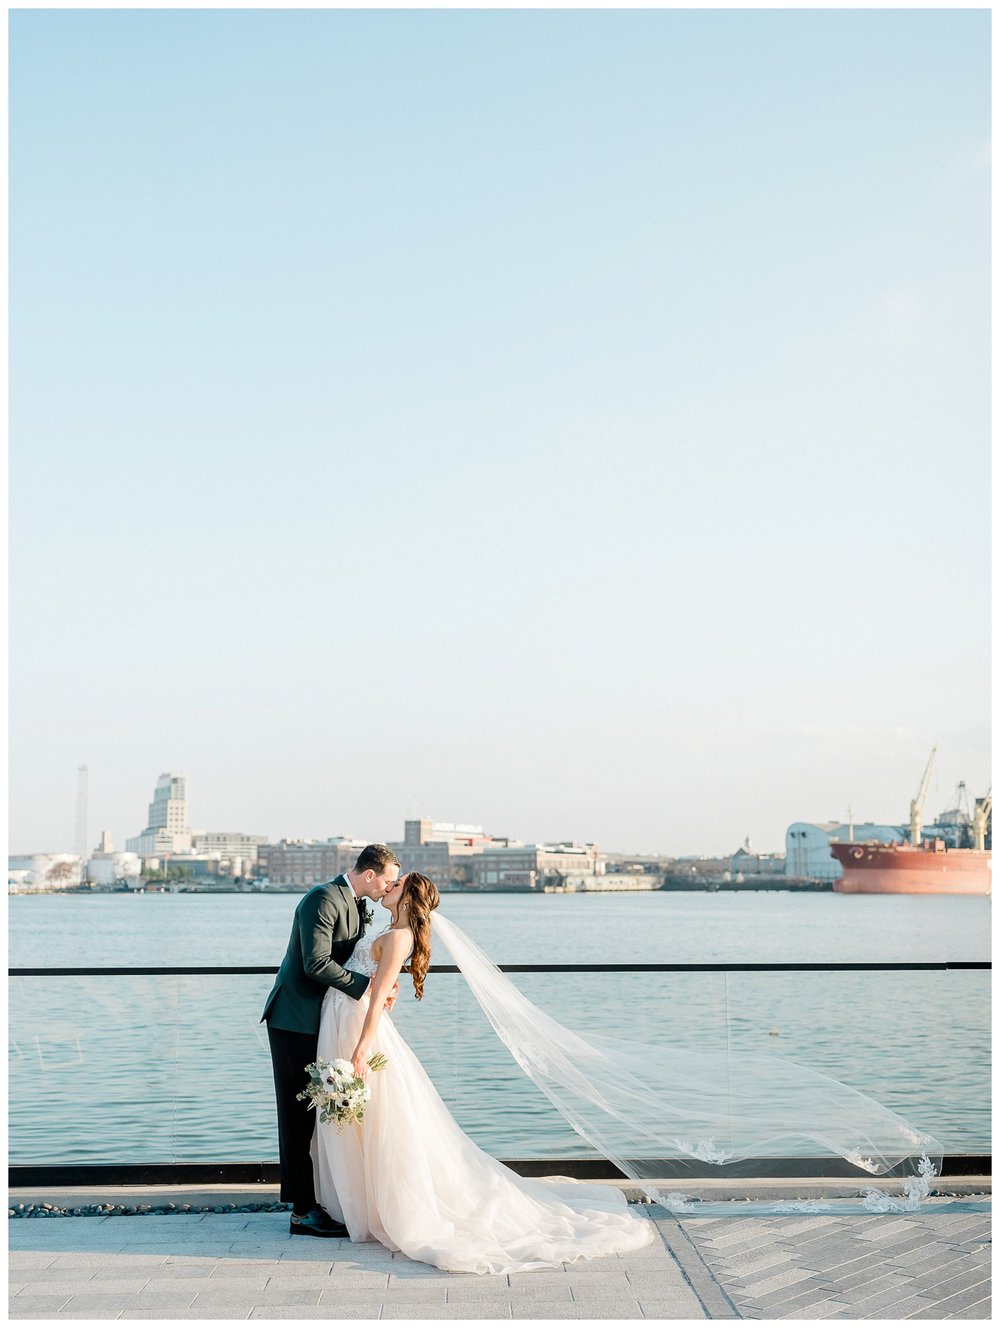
(940, 798)
(574, 422)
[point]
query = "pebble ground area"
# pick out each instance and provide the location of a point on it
(207, 1265)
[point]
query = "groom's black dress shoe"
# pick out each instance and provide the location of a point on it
(317, 1222)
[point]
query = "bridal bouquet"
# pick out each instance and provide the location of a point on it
(337, 1093)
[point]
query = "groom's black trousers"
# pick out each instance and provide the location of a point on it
(290, 1054)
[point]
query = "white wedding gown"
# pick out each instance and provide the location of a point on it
(408, 1176)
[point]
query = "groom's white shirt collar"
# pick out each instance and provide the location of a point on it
(350, 886)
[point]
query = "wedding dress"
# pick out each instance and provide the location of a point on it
(409, 1177)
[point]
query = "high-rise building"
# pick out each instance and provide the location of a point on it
(167, 830)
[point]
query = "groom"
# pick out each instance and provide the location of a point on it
(328, 923)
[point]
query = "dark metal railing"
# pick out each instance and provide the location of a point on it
(942, 965)
(72, 1174)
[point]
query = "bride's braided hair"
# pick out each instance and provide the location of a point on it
(420, 899)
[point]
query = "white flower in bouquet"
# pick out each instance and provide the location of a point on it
(337, 1093)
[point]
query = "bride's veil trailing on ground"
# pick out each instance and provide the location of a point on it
(641, 1102)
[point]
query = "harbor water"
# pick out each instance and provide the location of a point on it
(128, 1069)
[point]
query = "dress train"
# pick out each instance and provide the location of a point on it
(410, 1177)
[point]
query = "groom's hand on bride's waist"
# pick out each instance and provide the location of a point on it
(390, 1000)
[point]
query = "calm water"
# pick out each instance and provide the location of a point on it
(165, 929)
(176, 1069)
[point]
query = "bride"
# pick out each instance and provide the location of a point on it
(409, 1177)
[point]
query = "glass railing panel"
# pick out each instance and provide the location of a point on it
(138, 1069)
(223, 1095)
(918, 1042)
(92, 1069)
(491, 1098)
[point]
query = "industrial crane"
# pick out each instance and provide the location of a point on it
(981, 819)
(917, 805)
(961, 804)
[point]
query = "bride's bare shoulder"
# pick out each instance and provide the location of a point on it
(394, 941)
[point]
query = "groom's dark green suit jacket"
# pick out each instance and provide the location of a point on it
(325, 930)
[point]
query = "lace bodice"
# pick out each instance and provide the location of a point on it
(361, 960)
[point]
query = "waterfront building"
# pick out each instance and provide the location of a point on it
(106, 867)
(226, 844)
(462, 839)
(639, 864)
(442, 849)
(604, 883)
(233, 854)
(203, 868)
(745, 862)
(44, 871)
(807, 845)
(697, 869)
(306, 862)
(167, 830)
(114, 867)
(534, 866)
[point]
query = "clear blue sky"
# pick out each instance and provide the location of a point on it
(574, 422)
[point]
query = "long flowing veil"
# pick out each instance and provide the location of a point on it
(640, 1103)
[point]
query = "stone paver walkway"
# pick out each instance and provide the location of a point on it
(246, 1266)
(912, 1266)
(239, 1266)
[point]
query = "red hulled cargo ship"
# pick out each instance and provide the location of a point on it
(901, 869)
